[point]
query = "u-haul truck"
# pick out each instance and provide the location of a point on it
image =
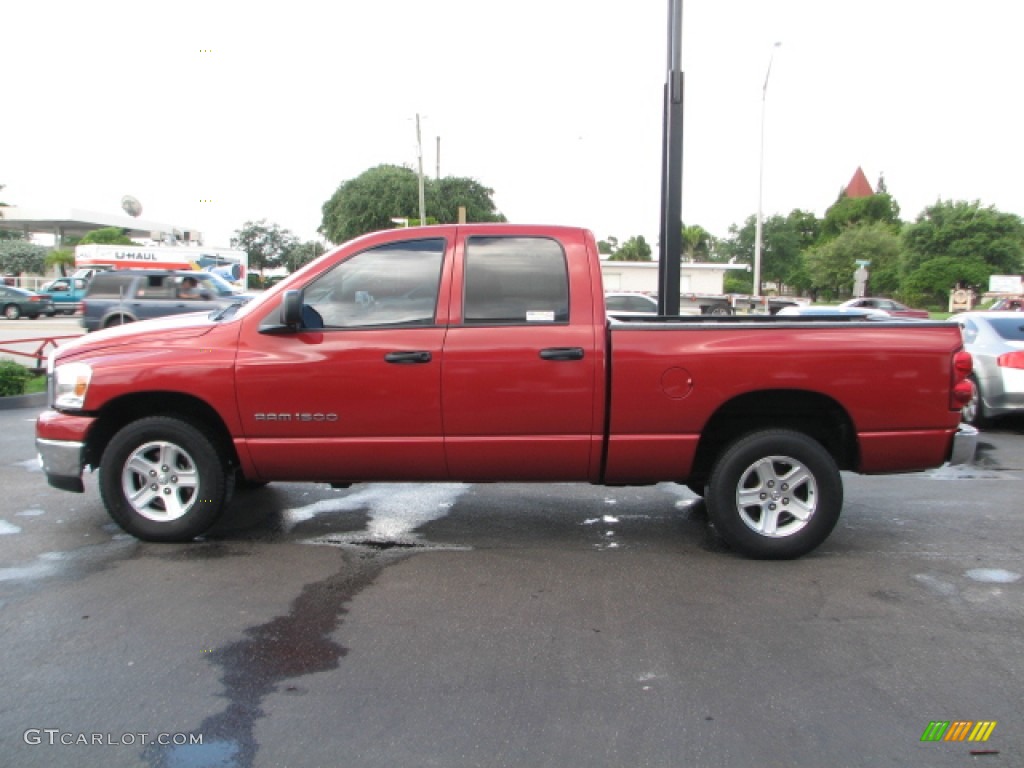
(232, 265)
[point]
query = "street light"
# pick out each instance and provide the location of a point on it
(760, 181)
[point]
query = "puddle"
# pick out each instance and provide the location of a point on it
(993, 575)
(256, 666)
(48, 564)
(395, 511)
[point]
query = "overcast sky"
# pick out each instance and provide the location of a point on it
(213, 113)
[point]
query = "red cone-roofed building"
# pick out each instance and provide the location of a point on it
(859, 186)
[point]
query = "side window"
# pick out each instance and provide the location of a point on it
(513, 280)
(154, 287)
(395, 284)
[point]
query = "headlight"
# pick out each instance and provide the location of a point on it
(70, 383)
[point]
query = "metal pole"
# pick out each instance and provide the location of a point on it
(671, 234)
(419, 148)
(760, 182)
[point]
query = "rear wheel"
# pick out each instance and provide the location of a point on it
(162, 479)
(117, 320)
(775, 494)
(12, 312)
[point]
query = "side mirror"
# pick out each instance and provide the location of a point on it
(291, 309)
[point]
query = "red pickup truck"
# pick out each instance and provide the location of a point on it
(483, 353)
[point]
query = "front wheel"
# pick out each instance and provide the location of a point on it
(162, 479)
(12, 312)
(775, 494)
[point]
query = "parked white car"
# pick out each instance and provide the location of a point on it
(996, 342)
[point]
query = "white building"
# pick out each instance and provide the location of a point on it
(642, 276)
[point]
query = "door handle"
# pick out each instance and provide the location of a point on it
(562, 353)
(406, 358)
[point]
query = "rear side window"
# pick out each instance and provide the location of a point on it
(515, 280)
(155, 287)
(1011, 328)
(110, 285)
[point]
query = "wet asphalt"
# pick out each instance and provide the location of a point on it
(502, 625)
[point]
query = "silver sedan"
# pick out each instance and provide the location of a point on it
(996, 342)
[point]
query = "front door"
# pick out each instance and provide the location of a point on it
(356, 394)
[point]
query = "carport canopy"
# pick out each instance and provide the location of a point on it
(73, 222)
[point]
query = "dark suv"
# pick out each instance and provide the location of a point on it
(127, 295)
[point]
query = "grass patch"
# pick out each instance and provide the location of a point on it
(35, 384)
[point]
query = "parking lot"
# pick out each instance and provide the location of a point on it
(505, 625)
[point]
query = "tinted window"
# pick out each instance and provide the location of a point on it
(394, 284)
(1009, 328)
(515, 280)
(110, 285)
(155, 287)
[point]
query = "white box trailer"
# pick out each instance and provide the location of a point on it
(230, 264)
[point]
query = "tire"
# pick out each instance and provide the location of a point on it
(12, 312)
(162, 479)
(720, 310)
(774, 494)
(974, 411)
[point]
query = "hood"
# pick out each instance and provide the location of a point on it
(158, 330)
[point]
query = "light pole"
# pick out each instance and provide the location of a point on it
(760, 181)
(419, 155)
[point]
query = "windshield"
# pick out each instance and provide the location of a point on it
(218, 284)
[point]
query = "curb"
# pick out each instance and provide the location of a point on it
(35, 400)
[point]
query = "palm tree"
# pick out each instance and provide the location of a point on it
(697, 243)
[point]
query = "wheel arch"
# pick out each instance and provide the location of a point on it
(811, 413)
(125, 315)
(123, 410)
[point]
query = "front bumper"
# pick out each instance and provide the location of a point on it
(61, 460)
(965, 443)
(60, 444)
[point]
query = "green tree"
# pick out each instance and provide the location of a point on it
(107, 236)
(609, 246)
(17, 256)
(697, 243)
(62, 258)
(934, 279)
(784, 241)
(8, 234)
(831, 265)
(847, 211)
(300, 254)
(370, 201)
(265, 243)
(967, 231)
(634, 249)
(445, 196)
